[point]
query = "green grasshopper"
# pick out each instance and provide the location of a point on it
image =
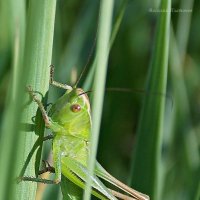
(70, 121)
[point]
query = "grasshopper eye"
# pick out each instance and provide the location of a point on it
(75, 108)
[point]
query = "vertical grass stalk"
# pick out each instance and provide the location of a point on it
(37, 58)
(190, 164)
(35, 72)
(12, 37)
(105, 20)
(116, 25)
(147, 155)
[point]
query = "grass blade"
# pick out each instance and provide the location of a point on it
(185, 133)
(38, 52)
(12, 37)
(105, 20)
(145, 168)
(88, 82)
(183, 26)
(35, 72)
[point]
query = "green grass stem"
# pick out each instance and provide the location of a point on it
(147, 154)
(105, 20)
(34, 71)
(12, 36)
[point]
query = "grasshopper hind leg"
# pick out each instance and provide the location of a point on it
(47, 168)
(37, 180)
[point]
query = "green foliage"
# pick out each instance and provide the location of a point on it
(150, 130)
(30, 67)
(173, 151)
(105, 21)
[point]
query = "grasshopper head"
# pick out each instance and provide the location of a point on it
(72, 110)
(78, 101)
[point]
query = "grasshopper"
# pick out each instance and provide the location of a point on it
(69, 119)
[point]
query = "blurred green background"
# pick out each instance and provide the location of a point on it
(76, 25)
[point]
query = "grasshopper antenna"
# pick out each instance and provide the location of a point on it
(142, 92)
(169, 97)
(85, 92)
(88, 60)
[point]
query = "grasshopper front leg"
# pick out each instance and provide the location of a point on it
(48, 122)
(40, 105)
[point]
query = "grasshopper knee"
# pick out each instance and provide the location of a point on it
(57, 181)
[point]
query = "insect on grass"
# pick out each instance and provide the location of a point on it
(69, 119)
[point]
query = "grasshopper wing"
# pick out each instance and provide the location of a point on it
(102, 173)
(78, 173)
